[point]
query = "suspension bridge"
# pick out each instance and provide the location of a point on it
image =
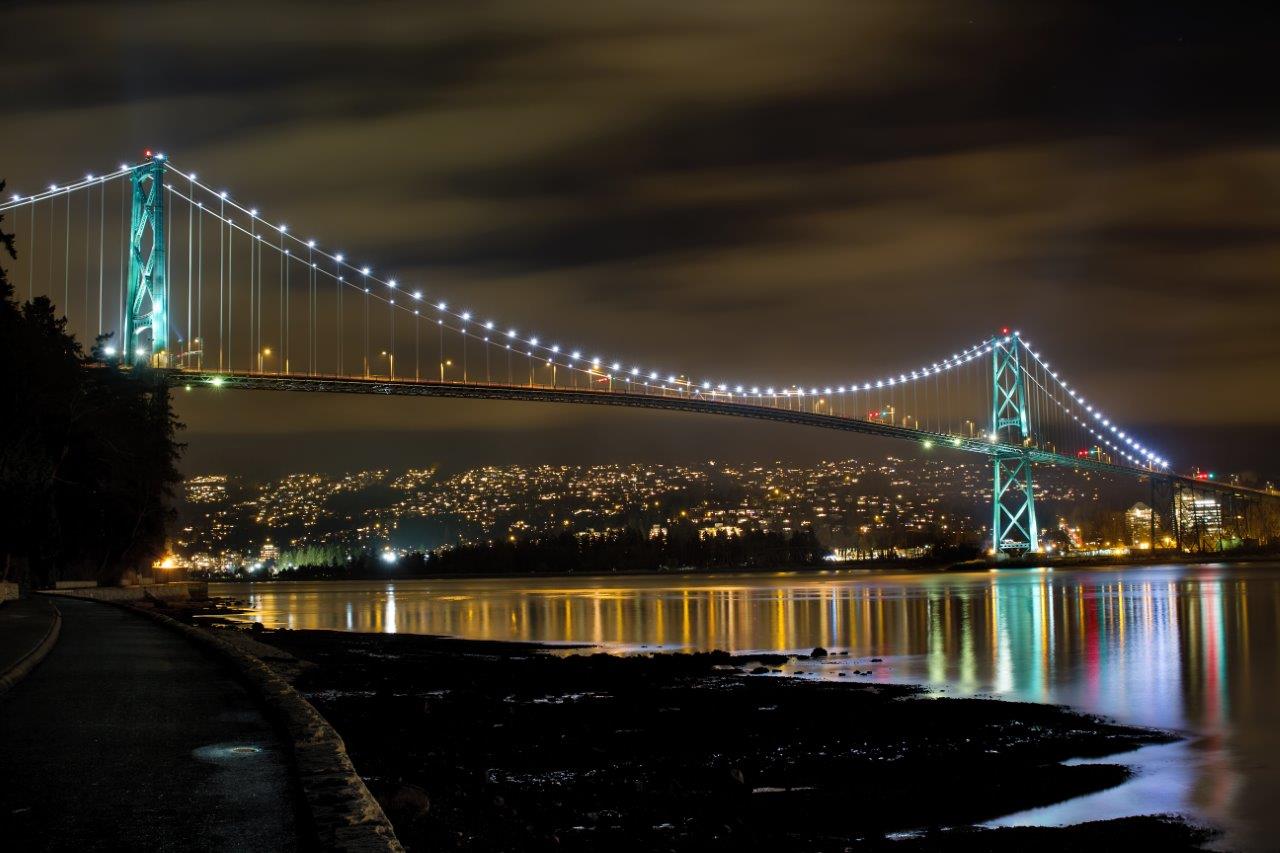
(169, 272)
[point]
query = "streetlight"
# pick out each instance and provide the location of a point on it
(448, 362)
(391, 359)
(262, 353)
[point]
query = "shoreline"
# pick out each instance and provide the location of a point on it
(883, 567)
(503, 745)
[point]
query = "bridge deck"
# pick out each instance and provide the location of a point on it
(651, 399)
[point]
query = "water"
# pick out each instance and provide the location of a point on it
(1195, 649)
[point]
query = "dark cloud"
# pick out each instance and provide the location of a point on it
(778, 191)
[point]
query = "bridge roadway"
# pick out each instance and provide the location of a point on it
(126, 737)
(669, 400)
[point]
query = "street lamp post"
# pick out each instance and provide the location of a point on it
(391, 363)
(262, 353)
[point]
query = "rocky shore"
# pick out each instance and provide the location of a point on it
(510, 747)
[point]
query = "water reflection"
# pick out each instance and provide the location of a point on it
(1191, 648)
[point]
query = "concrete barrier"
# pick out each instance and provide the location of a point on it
(74, 584)
(28, 662)
(177, 591)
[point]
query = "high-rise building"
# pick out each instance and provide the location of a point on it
(1138, 521)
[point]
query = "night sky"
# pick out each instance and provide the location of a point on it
(793, 191)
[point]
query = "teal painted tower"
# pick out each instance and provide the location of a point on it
(1013, 527)
(147, 291)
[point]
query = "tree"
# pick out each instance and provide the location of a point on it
(88, 458)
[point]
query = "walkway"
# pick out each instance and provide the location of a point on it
(23, 625)
(127, 737)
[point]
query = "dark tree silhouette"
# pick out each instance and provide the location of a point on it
(87, 451)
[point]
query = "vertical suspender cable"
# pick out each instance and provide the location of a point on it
(31, 263)
(253, 343)
(287, 293)
(950, 409)
(987, 390)
(48, 281)
(1032, 385)
(222, 209)
(282, 364)
(258, 297)
(66, 260)
(102, 232)
(338, 325)
(311, 310)
(168, 265)
(126, 190)
(190, 195)
(255, 282)
(200, 292)
(231, 302)
(88, 197)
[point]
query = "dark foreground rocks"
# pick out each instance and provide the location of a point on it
(502, 747)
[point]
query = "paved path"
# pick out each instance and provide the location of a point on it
(127, 738)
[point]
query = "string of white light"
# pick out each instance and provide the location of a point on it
(18, 200)
(567, 357)
(462, 321)
(1088, 411)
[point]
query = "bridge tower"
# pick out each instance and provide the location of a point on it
(147, 294)
(1013, 528)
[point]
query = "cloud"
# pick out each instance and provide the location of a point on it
(772, 191)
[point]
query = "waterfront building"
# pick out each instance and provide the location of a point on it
(1139, 521)
(1199, 519)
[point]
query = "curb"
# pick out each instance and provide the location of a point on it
(31, 659)
(343, 815)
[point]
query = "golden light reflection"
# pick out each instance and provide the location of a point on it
(1165, 647)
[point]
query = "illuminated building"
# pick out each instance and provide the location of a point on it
(1199, 517)
(1138, 523)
